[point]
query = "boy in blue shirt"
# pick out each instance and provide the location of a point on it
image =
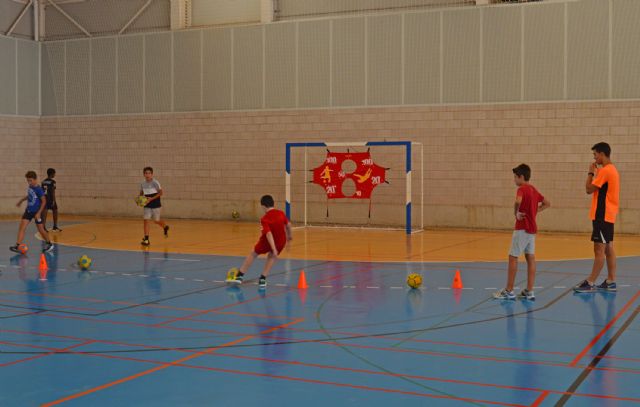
(36, 202)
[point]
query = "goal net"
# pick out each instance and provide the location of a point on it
(331, 184)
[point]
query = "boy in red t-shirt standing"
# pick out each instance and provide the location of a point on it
(528, 203)
(276, 232)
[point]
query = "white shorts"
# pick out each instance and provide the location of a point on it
(522, 241)
(152, 213)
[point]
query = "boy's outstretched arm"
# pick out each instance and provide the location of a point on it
(22, 200)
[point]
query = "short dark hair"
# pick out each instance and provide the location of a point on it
(51, 172)
(147, 169)
(267, 201)
(523, 170)
(602, 147)
(31, 174)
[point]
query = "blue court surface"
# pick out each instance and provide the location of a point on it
(162, 329)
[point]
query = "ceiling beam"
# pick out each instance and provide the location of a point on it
(135, 16)
(73, 21)
(17, 20)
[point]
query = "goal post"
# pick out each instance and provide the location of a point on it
(397, 200)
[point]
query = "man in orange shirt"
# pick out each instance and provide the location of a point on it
(604, 183)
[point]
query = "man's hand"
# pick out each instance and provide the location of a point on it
(593, 167)
(521, 215)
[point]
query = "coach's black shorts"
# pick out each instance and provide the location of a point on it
(30, 215)
(602, 232)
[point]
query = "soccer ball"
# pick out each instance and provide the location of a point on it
(84, 262)
(141, 200)
(235, 215)
(22, 248)
(414, 280)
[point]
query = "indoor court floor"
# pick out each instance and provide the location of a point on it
(159, 327)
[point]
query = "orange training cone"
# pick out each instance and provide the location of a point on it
(457, 280)
(43, 263)
(43, 274)
(302, 281)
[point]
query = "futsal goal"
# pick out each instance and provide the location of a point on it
(355, 184)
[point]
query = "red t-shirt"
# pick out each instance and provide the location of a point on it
(273, 221)
(529, 206)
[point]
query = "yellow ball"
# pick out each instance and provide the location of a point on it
(414, 280)
(235, 215)
(84, 262)
(141, 200)
(232, 273)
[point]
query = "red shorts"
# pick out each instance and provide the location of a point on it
(262, 247)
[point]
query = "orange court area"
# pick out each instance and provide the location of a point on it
(337, 244)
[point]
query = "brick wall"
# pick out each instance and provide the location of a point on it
(212, 163)
(19, 153)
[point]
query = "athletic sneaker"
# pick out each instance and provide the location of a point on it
(606, 286)
(504, 295)
(47, 247)
(166, 231)
(14, 249)
(528, 295)
(145, 241)
(56, 229)
(262, 282)
(585, 287)
(235, 280)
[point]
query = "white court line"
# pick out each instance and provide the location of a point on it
(535, 288)
(162, 277)
(326, 286)
(2, 265)
(217, 281)
(351, 286)
(444, 288)
(396, 288)
(142, 275)
(178, 278)
(559, 286)
(162, 258)
(373, 287)
(126, 274)
(195, 279)
(109, 272)
(624, 285)
(467, 288)
(491, 288)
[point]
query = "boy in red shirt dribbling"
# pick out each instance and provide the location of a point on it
(276, 232)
